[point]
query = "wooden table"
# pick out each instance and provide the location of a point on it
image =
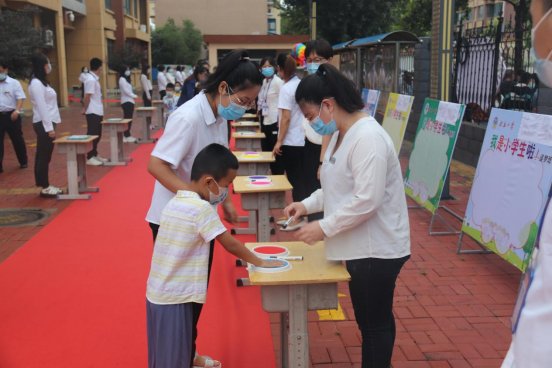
(76, 151)
(246, 126)
(161, 111)
(248, 141)
(262, 200)
(256, 164)
(143, 113)
(311, 284)
(116, 128)
(249, 117)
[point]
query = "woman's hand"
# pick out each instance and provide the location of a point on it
(296, 209)
(52, 134)
(229, 211)
(277, 149)
(310, 233)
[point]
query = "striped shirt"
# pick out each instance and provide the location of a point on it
(179, 266)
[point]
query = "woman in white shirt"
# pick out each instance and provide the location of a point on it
(82, 77)
(290, 144)
(127, 101)
(45, 118)
(161, 80)
(228, 93)
(365, 219)
(268, 103)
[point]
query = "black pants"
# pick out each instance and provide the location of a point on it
(128, 111)
(196, 307)
(292, 158)
(311, 164)
(267, 145)
(44, 149)
(13, 128)
(94, 127)
(147, 103)
(372, 286)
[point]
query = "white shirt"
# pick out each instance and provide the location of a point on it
(268, 99)
(310, 134)
(180, 262)
(45, 107)
(10, 92)
(170, 77)
(179, 77)
(83, 76)
(161, 81)
(127, 95)
(531, 347)
(189, 129)
(92, 87)
(362, 195)
(295, 136)
(146, 85)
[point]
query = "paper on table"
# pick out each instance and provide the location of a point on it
(536, 128)
(403, 103)
(77, 137)
(448, 112)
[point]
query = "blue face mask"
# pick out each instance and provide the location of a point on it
(231, 112)
(215, 199)
(322, 128)
(312, 67)
(268, 71)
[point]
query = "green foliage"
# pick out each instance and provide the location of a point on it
(130, 56)
(413, 16)
(18, 40)
(172, 44)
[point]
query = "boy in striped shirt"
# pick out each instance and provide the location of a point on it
(177, 282)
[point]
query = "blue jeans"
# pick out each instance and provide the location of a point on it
(372, 286)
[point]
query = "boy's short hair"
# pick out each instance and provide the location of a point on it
(320, 46)
(95, 64)
(214, 160)
(169, 85)
(161, 67)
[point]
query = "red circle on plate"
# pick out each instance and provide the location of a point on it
(270, 250)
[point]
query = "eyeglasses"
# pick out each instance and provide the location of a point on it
(241, 101)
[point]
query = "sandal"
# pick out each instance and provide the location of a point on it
(208, 362)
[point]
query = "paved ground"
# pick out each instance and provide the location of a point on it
(453, 311)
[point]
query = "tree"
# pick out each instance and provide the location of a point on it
(413, 16)
(18, 40)
(171, 44)
(130, 56)
(338, 21)
(521, 20)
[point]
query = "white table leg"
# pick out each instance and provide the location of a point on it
(298, 343)
(76, 175)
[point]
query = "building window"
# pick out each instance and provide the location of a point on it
(272, 25)
(126, 7)
(110, 45)
(498, 9)
(480, 12)
(108, 4)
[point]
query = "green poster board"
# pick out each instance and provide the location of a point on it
(430, 158)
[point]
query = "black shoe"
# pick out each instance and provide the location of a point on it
(23, 166)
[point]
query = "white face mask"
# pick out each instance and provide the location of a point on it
(543, 67)
(48, 69)
(127, 73)
(216, 199)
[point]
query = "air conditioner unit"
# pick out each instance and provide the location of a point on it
(143, 28)
(48, 37)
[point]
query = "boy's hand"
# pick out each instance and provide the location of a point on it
(296, 209)
(271, 263)
(310, 233)
(229, 211)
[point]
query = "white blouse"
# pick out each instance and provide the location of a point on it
(45, 106)
(268, 99)
(127, 95)
(362, 195)
(146, 85)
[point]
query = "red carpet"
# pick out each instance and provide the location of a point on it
(74, 295)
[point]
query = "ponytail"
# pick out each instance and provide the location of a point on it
(287, 65)
(237, 70)
(329, 82)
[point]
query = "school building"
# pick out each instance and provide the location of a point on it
(74, 31)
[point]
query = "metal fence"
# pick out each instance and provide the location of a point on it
(493, 68)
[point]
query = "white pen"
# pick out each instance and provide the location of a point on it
(289, 220)
(287, 258)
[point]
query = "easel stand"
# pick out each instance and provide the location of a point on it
(459, 249)
(442, 220)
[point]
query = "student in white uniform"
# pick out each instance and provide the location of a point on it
(268, 104)
(127, 101)
(161, 80)
(531, 344)
(94, 110)
(147, 88)
(11, 103)
(82, 77)
(290, 144)
(199, 122)
(365, 220)
(179, 76)
(45, 119)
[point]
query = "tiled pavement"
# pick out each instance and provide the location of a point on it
(452, 311)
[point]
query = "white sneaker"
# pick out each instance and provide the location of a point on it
(101, 159)
(130, 139)
(93, 161)
(51, 191)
